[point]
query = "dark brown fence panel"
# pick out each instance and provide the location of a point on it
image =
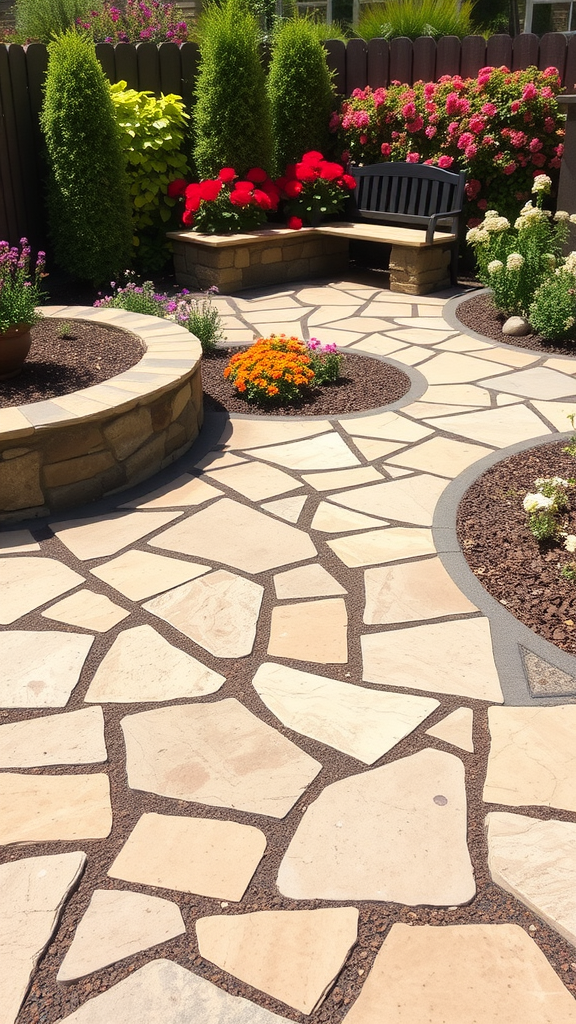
(473, 56)
(170, 68)
(570, 69)
(8, 221)
(525, 52)
(12, 176)
(336, 60)
(499, 51)
(105, 54)
(189, 58)
(553, 52)
(27, 149)
(448, 56)
(148, 67)
(126, 64)
(378, 63)
(424, 59)
(401, 59)
(356, 65)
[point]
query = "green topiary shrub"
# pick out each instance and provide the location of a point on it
(232, 112)
(301, 92)
(88, 196)
(42, 19)
(153, 135)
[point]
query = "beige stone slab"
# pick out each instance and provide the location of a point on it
(386, 545)
(115, 925)
(13, 423)
(164, 991)
(310, 631)
(509, 357)
(205, 856)
(452, 368)
(458, 394)
(424, 410)
(414, 354)
(292, 955)
(415, 334)
(372, 449)
(368, 323)
(281, 300)
(412, 591)
(39, 808)
(456, 729)
(329, 296)
(538, 382)
(87, 609)
(531, 757)
(266, 543)
(497, 427)
(389, 308)
(395, 473)
(536, 861)
(15, 542)
(98, 536)
(183, 491)
(27, 583)
(502, 399)
(425, 322)
(463, 343)
(73, 738)
(246, 336)
(218, 460)
(254, 433)
(40, 669)
(490, 973)
(339, 478)
(140, 574)
(328, 451)
(441, 455)
(288, 509)
(142, 666)
(396, 833)
(429, 310)
(563, 365)
(255, 481)
(330, 518)
(379, 345)
(387, 426)
(33, 891)
(332, 315)
(306, 581)
(218, 611)
(556, 413)
(217, 754)
(289, 314)
(411, 500)
(78, 405)
(443, 657)
(363, 723)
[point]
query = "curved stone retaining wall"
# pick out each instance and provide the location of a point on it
(74, 449)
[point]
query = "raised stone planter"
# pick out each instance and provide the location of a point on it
(263, 257)
(77, 448)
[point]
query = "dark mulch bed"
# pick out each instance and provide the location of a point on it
(479, 314)
(499, 548)
(365, 384)
(68, 355)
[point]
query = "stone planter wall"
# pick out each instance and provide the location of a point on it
(67, 451)
(264, 257)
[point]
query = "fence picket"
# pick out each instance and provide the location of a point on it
(356, 65)
(499, 51)
(336, 60)
(473, 56)
(553, 52)
(105, 54)
(12, 175)
(401, 60)
(448, 56)
(424, 62)
(525, 53)
(126, 64)
(378, 63)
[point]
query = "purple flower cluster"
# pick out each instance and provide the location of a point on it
(153, 21)
(20, 291)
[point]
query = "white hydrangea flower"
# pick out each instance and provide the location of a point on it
(542, 183)
(572, 218)
(569, 323)
(570, 543)
(496, 224)
(475, 236)
(570, 263)
(561, 215)
(515, 261)
(491, 214)
(495, 266)
(552, 481)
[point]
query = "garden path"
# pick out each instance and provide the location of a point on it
(264, 729)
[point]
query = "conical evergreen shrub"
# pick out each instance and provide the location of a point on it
(232, 112)
(89, 209)
(301, 92)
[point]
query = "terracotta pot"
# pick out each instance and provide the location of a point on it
(14, 347)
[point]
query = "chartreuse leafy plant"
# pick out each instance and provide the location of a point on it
(88, 192)
(153, 133)
(300, 90)
(232, 111)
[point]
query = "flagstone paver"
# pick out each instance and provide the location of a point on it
(412, 500)
(33, 891)
(383, 546)
(539, 382)
(184, 490)
(27, 583)
(140, 574)
(40, 669)
(410, 592)
(306, 581)
(387, 426)
(200, 855)
(35, 808)
(340, 478)
(396, 833)
(116, 925)
(497, 427)
(288, 509)
(142, 666)
(259, 433)
(293, 955)
(328, 451)
(73, 738)
(18, 542)
(310, 631)
(330, 518)
(218, 754)
(361, 722)
(98, 536)
(255, 481)
(87, 609)
(442, 456)
(456, 729)
(418, 975)
(532, 757)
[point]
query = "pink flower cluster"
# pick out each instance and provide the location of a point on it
(136, 21)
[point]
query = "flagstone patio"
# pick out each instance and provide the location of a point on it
(268, 748)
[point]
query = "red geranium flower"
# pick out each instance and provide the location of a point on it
(210, 189)
(262, 199)
(188, 218)
(257, 175)
(295, 223)
(306, 172)
(293, 189)
(176, 188)
(239, 198)
(349, 181)
(312, 157)
(330, 171)
(227, 174)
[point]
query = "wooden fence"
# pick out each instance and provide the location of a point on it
(172, 68)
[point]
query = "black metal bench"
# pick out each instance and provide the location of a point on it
(415, 208)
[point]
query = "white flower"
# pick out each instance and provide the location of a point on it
(495, 266)
(475, 236)
(491, 214)
(495, 224)
(569, 323)
(536, 502)
(542, 183)
(570, 543)
(572, 218)
(551, 481)
(515, 261)
(561, 215)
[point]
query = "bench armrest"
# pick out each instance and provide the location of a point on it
(433, 220)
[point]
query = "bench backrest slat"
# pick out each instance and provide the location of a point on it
(410, 193)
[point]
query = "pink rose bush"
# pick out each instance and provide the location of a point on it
(502, 127)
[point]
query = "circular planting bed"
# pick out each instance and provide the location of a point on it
(479, 314)
(520, 573)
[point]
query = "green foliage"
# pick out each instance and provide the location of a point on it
(301, 92)
(568, 572)
(88, 198)
(204, 322)
(152, 132)
(414, 18)
(553, 311)
(232, 112)
(545, 505)
(570, 448)
(43, 19)
(490, 17)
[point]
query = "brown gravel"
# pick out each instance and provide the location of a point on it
(68, 355)
(480, 314)
(365, 383)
